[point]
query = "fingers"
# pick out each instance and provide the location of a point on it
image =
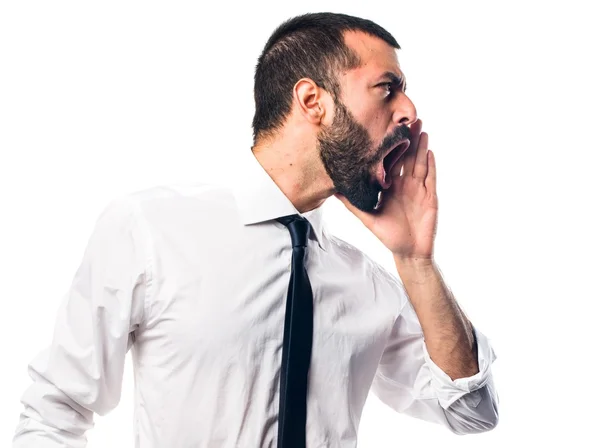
(409, 157)
(420, 168)
(430, 181)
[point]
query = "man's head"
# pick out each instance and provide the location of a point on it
(337, 79)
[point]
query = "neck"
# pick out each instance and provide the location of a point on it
(297, 170)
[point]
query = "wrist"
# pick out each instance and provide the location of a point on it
(413, 262)
(415, 270)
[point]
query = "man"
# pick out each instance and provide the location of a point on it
(196, 279)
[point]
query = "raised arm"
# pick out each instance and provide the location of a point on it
(436, 365)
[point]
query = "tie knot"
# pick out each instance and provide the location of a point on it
(298, 227)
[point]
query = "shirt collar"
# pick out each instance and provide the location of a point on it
(259, 198)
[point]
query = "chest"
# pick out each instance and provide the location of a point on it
(222, 304)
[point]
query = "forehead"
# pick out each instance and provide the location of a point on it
(376, 56)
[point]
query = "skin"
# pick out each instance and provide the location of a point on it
(327, 149)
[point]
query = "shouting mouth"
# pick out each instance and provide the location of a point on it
(384, 169)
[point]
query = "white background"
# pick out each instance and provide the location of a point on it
(98, 99)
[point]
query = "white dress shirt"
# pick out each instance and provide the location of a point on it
(194, 280)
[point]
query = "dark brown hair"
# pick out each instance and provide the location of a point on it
(307, 46)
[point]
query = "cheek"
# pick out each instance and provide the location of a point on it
(378, 126)
(377, 122)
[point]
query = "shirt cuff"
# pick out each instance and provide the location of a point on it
(448, 390)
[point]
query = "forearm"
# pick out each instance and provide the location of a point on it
(448, 333)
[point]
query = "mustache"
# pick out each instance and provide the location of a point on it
(402, 132)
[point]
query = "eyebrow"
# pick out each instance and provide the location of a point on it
(394, 79)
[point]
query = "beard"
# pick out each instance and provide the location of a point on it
(345, 150)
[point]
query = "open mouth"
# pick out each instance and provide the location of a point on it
(385, 167)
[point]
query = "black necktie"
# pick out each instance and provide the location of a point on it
(297, 342)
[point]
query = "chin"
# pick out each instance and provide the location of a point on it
(364, 202)
(362, 190)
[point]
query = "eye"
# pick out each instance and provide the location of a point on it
(388, 87)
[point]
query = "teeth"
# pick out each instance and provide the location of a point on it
(378, 201)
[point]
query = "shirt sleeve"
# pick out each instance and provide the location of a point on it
(408, 381)
(81, 371)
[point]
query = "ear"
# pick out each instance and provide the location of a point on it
(311, 100)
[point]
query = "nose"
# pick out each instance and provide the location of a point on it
(405, 112)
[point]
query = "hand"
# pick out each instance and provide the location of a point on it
(406, 220)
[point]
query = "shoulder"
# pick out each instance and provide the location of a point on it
(198, 191)
(174, 197)
(166, 206)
